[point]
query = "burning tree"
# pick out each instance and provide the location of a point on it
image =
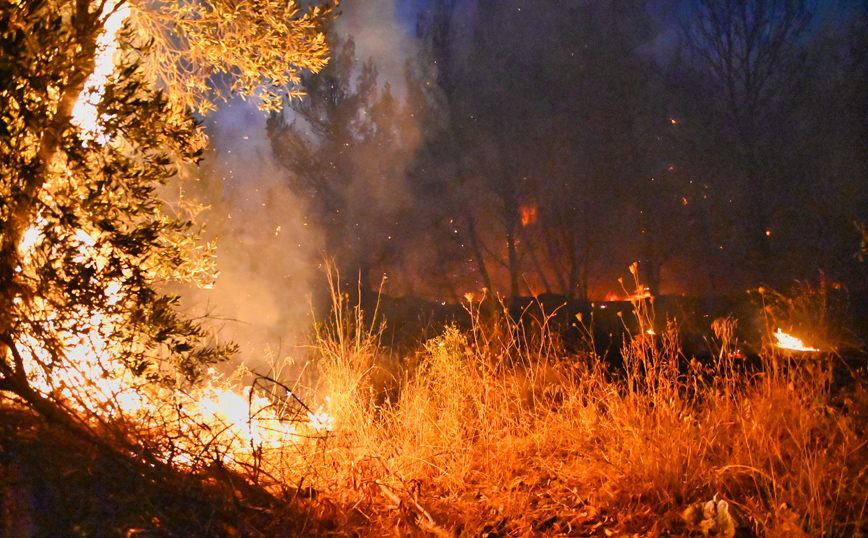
(87, 142)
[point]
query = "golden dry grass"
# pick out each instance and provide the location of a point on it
(495, 431)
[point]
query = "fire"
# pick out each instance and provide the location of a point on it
(84, 112)
(529, 214)
(219, 418)
(787, 341)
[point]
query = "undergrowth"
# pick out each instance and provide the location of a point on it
(497, 430)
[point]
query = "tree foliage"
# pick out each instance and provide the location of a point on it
(86, 242)
(261, 45)
(344, 146)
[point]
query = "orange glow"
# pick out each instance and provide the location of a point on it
(787, 341)
(529, 214)
(640, 295)
(219, 417)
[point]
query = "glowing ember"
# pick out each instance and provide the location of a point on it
(787, 341)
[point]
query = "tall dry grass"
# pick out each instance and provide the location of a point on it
(496, 431)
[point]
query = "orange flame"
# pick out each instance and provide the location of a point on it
(529, 214)
(217, 419)
(787, 341)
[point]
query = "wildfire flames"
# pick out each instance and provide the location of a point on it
(529, 214)
(84, 113)
(787, 341)
(218, 419)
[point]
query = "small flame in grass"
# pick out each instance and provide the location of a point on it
(788, 341)
(321, 421)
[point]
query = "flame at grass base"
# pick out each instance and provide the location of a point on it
(787, 341)
(218, 420)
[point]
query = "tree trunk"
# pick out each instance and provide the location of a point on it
(477, 253)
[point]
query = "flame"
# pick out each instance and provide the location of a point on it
(84, 112)
(219, 418)
(787, 341)
(529, 214)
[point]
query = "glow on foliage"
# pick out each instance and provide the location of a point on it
(218, 418)
(787, 341)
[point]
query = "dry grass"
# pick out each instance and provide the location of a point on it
(496, 431)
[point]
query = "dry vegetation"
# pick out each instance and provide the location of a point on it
(497, 431)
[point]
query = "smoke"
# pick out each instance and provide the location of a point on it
(269, 252)
(375, 27)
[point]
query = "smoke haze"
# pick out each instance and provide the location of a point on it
(269, 253)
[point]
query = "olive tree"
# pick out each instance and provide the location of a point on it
(86, 243)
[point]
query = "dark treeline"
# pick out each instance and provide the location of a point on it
(543, 146)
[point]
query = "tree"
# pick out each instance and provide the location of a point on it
(543, 102)
(86, 243)
(750, 53)
(344, 153)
